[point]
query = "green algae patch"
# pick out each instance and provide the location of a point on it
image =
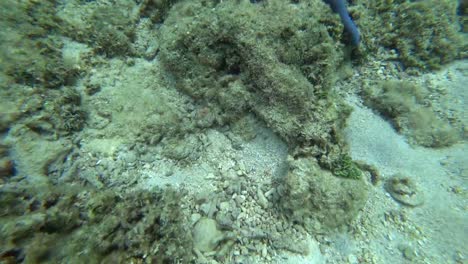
(425, 34)
(405, 105)
(345, 167)
(113, 27)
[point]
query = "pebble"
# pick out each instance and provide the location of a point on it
(206, 235)
(264, 251)
(225, 184)
(194, 218)
(224, 206)
(244, 251)
(279, 227)
(240, 199)
(270, 192)
(262, 200)
(208, 209)
(352, 259)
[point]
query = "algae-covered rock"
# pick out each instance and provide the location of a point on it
(51, 224)
(275, 60)
(425, 34)
(318, 199)
(31, 46)
(109, 28)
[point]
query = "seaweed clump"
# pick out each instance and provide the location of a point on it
(425, 34)
(404, 104)
(31, 46)
(44, 224)
(345, 167)
(156, 10)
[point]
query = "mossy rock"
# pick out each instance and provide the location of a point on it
(275, 60)
(52, 224)
(52, 112)
(425, 34)
(319, 200)
(31, 46)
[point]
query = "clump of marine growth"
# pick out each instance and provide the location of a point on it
(50, 224)
(404, 104)
(278, 61)
(425, 34)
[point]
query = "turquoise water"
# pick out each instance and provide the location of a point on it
(211, 131)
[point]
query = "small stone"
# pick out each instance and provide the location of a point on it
(244, 251)
(206, 235)
(194, 218)
(352, 259)
(242, 167)
(225, 184)
(129, 157)
(224, 206)
(205, 208)
(241, 216)
(408, 252)
(270, 192)
(224, 219)
(279, 227)
(262, 201)
(264, 251)
(240, 199)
